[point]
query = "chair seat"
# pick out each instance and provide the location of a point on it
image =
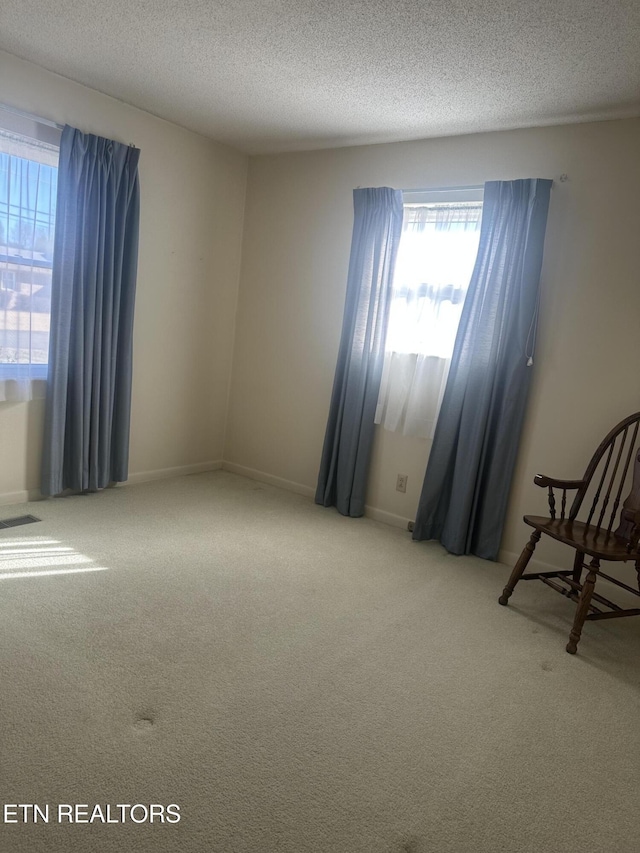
(583, 537)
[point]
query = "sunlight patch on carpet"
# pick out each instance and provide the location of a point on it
(35, 556)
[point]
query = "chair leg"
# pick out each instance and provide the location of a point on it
(520, 566)
(578, 565)
(583, 606)
(638, 573)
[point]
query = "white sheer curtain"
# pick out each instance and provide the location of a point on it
(28, 183)
(435, 261)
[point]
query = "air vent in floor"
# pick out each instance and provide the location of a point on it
(16, 522)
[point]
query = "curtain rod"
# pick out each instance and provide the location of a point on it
(563, 178)
(31, 117)
(443, 189)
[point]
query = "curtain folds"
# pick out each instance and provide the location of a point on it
(467, 482)
(349, 435)
(86, 440)
(411, 393)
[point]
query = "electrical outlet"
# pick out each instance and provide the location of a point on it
(401, 482)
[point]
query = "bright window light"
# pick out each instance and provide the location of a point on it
(437, 253)
(435, 261)
(28, 187)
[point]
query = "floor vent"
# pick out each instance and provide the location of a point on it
(16, 522)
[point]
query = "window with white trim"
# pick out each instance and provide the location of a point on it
(435, 261)
(28, 186)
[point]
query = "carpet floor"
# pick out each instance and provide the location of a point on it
(297, 682)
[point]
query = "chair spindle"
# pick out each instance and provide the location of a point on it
(623, 478)
(599, 489)
(605, 502)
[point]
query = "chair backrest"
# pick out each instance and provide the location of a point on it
(607, 475)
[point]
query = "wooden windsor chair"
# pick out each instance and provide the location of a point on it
(596, 538)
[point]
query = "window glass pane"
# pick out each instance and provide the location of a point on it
(28, 186)
(435, 260)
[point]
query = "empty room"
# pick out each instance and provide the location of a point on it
(319, 427)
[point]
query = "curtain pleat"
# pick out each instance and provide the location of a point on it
(349, 435)
(86, 440)
(468, 478)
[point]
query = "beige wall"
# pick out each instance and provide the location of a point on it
(295, 256)
(192, 200)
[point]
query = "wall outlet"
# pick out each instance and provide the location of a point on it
(401, 482)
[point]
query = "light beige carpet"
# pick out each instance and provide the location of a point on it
(296, 681)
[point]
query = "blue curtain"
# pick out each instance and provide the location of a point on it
(468, 478)
(348, 440)
(86, 436)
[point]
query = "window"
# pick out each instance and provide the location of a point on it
(28, 186)
(435, 261)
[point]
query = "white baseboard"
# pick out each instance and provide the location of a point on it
(25, 495)
(200, 467)
(386, 517)
(510, 558)
(300, 489)
(178, 471)
(15, 498)
(271, 479)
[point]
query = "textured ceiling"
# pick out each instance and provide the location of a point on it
(277, 75)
